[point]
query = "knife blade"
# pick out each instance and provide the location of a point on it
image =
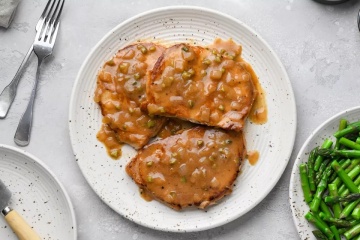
(5, 196)
(22, 230)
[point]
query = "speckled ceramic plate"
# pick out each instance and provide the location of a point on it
(298, 206)
(37, 195)
(274, 140)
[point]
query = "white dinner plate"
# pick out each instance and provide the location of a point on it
(37, 195)
(274, 140)
(298, 206)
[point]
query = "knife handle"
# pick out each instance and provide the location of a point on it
(22, 230)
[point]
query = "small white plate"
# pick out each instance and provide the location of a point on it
(298, 206)
(37, 195)
(274, 140)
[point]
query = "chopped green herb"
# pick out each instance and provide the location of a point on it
(206, 61)
(186, 75)
(124, 67)
(183, 179)
(114, 153)
(149, 179)
(191, 71)
(110, 63)
(151, 123)
(217, 59)
(191, 103)
(137, 76)
(185, 49)
(173, 161)
(200, 143)
(142, 48)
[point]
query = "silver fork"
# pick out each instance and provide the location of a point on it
(43, 46)
(7, 96)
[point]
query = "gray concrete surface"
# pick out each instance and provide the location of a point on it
(319, 46)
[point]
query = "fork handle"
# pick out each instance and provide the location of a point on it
(7, 96)
(23, 131)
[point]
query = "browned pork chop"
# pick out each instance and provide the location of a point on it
(197, 167)
(120, 91)
(202, 85)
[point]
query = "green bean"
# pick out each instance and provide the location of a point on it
(350, 198)
(355, 127)
(347, 170)
(347, 191)
(305, 183)
(344, 164)
(342, 125)
(322, 227)
(311, 172)
(352, 232)
(315, 203)
(344, 177)
(349, 208)
(326, 145)
(336, 221)
(356, 212)
(322, 168)
(348, 143)
(336, 206)
(325, 209)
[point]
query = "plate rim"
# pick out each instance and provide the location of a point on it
(302, 152)
(286, 80)
(46, 168)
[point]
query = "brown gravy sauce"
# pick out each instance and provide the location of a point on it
(108, 137)
(259, 112)
(253, 157)
(199, 165)
(206, 85)
(145, 194)
(257, 115)
(174, 126)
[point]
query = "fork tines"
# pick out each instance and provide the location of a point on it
(50, 21)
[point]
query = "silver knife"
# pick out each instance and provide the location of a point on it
(22, 230)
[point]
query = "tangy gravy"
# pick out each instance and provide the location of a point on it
(121, 93)
(209, 86)
(195, 167)
(258, 113)
(253, 157)
(187, 164)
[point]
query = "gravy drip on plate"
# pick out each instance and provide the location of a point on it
(253, 157)
(258, 112)
(121, 91)
(196, 167)
(107, 136)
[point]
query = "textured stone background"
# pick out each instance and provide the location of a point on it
(319, 46)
